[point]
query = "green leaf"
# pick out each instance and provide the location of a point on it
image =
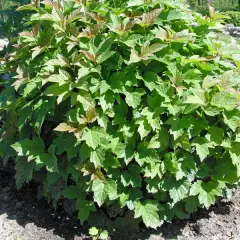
(191, 204)
(179, 191)
(132, 177)
(144, 155)
(198, 98)
(103, 189)
(131, 40)
(56, 78)
(56, 90)
(97, 157)
(59, 61)
(49, 160)
(133, 3)
(65, 143)
(160, 33)
(206, 192)
(105, 45)
(150, 80)
(216, 134)
(24, 171)
(148, 211)
(144, 128)
(160, 141)
(209, 82)
(84, 209)
(183, 142)
(72, 192)
(133, 99)
(226, 170)
(93, 231)
(224, 100)
(177, 15)
(93, 137)
(29, 7)
(173, 165)
(232, 119)
(202, 147)
(153, 170)
(103, 235)
(105, 56)
(29, 148)
(84, 97)
(179, 211)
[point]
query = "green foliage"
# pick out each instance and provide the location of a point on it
(234, 17)
(11, 22)
(98, 234)
(219, 5)
(126, 108)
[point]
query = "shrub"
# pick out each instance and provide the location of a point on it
(219, 5)
(10, 20)
(234, 18)
(128, 109)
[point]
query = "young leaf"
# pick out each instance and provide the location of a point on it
(84, 209)
(97, 157)
(93, 137)
(133, 99)
(179, 191)
(207, 192)
(148, 211)
(103, 190)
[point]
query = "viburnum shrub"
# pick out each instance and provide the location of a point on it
(130, 109)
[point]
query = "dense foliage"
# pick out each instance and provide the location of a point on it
(130, 109)
(11, 21)
(234, 17)
(219, 5)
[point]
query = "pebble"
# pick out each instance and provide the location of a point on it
(3, 43)
(232, 30)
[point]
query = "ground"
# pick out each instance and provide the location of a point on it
(24, 217)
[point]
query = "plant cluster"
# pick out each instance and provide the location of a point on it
(11, 22)
(128, 109)
(219, 5)
(233, 17)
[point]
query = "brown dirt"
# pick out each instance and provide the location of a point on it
(24, 217)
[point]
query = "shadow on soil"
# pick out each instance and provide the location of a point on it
(24, 207)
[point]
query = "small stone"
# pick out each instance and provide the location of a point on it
(220, 223)
(3, 43)
(230, 25)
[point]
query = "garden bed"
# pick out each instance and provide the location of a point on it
(24, 217)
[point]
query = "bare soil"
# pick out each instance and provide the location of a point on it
(24, 217)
